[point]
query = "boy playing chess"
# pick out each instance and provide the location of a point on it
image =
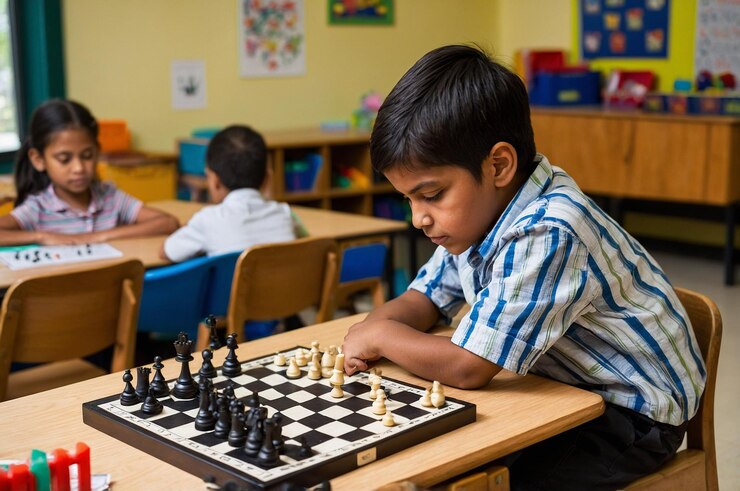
(238, 177)
(556, 287)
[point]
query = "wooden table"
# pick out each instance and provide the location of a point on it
(319, 223)
(512, 412)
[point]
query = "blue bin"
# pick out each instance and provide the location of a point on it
(565, 89)
(193, 156)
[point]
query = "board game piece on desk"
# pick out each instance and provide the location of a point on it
(205, 419)
(438, 395)
(314, 373)
(142, 382)
(151, 404)
(256, 435)
(315, 348)
(207, 370)
(279, 360)
(231, 366)
(376, 371)
(223, 424)
(293, 370)
(237, 435)
(374, 387)
(159, 384)
(185, 386)
(60, 462)
(300, 357)
(211, 324)
(426, 399)
(327, 361)
(388, 419)
(305, 450)
(379, 403)
(268, 455)
(128, 396)
(253, 400)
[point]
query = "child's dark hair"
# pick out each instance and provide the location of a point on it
(49, 118)
(238, 156)
(451, 108)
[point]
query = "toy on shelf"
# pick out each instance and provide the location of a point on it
(345, 176)
(50, 472)
(627, 89)
(300, 174)
(364, 117)
(714, 95)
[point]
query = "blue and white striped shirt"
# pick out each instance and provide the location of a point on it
(560, 289)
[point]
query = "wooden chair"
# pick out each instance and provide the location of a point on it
(59, 318)
(277, 280)
(362, 267)
(695, 467)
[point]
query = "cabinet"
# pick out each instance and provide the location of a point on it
(692, 159)
(338, 150)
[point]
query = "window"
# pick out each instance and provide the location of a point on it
(9, 140)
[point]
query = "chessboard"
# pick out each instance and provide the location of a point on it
(24, 257)
(324, 436)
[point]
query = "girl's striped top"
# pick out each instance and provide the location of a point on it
(558, 288)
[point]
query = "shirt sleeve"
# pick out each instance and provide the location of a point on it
(187, 241)
(439, 280)
(538, 289)
(28, 214)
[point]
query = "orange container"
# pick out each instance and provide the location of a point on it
(113, 135)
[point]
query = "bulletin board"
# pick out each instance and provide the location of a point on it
(624, 28)
(717, 41)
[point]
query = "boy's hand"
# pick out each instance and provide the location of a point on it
(360, 346)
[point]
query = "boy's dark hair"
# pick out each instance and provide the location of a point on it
(238, 156)
(451, 108)
(49, 118)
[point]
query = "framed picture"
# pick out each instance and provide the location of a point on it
(360, 12)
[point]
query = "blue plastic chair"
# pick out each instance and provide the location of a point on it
(219, 283)
(362, 268)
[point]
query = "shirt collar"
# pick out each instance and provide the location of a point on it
(59, 205)
(242, 195)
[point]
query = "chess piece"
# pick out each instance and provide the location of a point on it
(375, 386)
(277, 431)
(327, 362)
(279, 359)
(305, 450)
(379, 403)
(128, 396)
(159, 384)
(223, 424)
(314, 373)
(231, 366)
(214, 342)
(207, 370)
(142, 382)
(388, 419)
(426, 399)
(151, 404)
(438, 395)
(256, 435)
(376, 371)
(336, 391)
(268, 454)
(315, 348)
(293, 371)
(300, 357)
(237, 435)
(205, 419)
(185, 385)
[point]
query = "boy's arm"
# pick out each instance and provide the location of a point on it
(396, 331)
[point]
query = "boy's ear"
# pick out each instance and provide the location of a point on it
(37, 160)
(503, 161)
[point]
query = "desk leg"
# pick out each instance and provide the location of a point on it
(730, 218)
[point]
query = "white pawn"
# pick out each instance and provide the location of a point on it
(315, 347)
(375, 386)
(388, 419)
(339, 362)
(379, 404)
(314, 373)
(337, 377)
(279, 359)
(376, 371)
(426, 399)
(293, 370)
(438, 395)
(300, 357)
(336, 391)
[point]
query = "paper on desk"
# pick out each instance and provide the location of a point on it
(36, 256)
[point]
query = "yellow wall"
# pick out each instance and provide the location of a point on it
(118, 56)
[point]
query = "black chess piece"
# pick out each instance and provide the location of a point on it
(128, 396)
(268, 454)
(237, 434)
(142, 382)
(205, 419)
(305, 451)
(231, 366)
(158, 383)
(253, 400)
(256, 435)
(223, 425)
(277, 432)
(207, 369)
(151, 404)
(214, 343)
(185, 385)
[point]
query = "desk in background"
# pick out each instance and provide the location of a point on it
(512, 412)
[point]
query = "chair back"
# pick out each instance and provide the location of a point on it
(173, 296)
(62, 316)
(277, 280)
(219, 283)
(362, 269)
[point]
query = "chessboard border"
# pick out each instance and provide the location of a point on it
(206, 467)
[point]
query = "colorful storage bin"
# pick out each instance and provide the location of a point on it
(565, 89)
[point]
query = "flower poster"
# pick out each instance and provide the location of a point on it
(272, 41)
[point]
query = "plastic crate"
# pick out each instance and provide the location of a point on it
(193, 156)
(300, 175)
(565, 89)
(113, 135)
(145, 176)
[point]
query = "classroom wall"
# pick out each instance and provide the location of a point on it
(118, 56)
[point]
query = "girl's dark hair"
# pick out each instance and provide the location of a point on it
(49, 118)
(451, 108)
(238, 156)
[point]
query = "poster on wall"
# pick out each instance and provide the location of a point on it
(360, 12)
(624, 28)
(717, 41)
(188, 78)
(272, 41)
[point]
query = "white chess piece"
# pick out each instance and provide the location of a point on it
(300, 357)
(314, 373)
(426, 399)
(336, 391)
(438, 395)
(279, 359)
(337, 377)
(293, 370)
(315, 347)
(379, 403)
(388, 419)
(375, 386)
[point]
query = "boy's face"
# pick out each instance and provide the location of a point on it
(449, 205)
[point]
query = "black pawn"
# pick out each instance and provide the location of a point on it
(159, 384)
(253, 400)
(305, 451)
(223, 425)
(205, 420)
(128, 396)
(277, 431)
(214, 343)
(151, 404)
(142, 382)
(207, 369)
(231, 366)
(268, 454)
(237, 434)
(255, 437)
